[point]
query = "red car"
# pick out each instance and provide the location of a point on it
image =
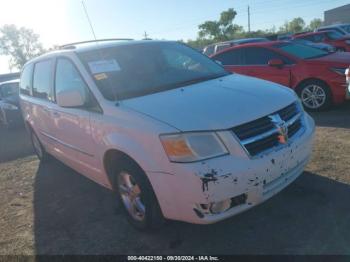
(331, 37)
(317, 76)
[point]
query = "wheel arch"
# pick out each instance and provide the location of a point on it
(114, 157)
(311, 79)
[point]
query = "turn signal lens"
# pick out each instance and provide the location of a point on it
(177, 147)
(192, 146)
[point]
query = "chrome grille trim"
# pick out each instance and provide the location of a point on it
(268, 133)
(264, 143)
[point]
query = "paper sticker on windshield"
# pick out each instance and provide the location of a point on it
(104, 66)
(101, 76)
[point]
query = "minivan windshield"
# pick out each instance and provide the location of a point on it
(301, 51)
(137, 69)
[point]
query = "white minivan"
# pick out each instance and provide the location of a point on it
(165, 127)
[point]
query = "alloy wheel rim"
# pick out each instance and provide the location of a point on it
(37, 146)
(313, 96)
(130, 193)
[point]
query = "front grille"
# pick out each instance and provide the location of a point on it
(294, 128)
(262, 134)
(253, 128)
(268, 142)
(288, 112)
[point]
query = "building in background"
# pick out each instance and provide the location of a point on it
(8, 77)
(339, 15)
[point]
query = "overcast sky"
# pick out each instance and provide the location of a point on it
(64, 21)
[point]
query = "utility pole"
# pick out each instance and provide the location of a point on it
(145, 35)
(248, 19)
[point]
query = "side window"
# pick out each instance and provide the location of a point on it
(222, 47)
(26, 79)
(42, 87)
(209, 50)
(180, 61)
(261, 56)
(232, 57)
(318, 38)
(68, 77)
(308, 38)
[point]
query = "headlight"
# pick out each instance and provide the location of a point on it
(192, 146)
(347, 74)
(9, 106)
(339, 71)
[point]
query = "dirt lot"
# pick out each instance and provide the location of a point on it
(50, 209)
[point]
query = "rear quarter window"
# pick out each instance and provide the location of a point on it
(232, 57)
(25, 86)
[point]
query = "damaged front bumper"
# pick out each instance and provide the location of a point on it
(195, 192)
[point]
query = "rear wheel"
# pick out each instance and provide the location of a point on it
(315, 95)
(137, 197)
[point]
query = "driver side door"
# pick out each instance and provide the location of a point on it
(72, 134)
(256, 60)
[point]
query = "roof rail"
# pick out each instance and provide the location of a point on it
(72, 45)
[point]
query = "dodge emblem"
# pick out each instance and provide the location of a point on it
(282, 128)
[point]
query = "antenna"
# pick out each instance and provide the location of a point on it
(114, 92)
(88, 18)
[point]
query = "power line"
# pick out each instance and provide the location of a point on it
(248, 19)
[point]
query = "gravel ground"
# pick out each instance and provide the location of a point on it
(50, 209)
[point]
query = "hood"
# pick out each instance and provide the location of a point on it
(216, 104)
(335, 58)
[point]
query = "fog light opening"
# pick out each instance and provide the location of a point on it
(219, 207)
(222, 206)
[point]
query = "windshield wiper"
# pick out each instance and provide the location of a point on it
(200, 79)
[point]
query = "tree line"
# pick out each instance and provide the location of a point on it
(22, 44)
(224, 29)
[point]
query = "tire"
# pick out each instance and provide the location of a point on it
(315, 95)
(139, 204)
(38, 148)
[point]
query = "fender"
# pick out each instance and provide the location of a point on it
(137, 151)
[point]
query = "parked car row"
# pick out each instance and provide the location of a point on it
(343, 29)
(317, 76)
(10, 114)
(339, 41)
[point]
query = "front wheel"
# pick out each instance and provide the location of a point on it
(315, 96)
(137, 197)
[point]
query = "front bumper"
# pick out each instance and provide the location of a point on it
(185, 188)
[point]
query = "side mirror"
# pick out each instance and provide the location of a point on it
(276, 62)
(70, 98)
